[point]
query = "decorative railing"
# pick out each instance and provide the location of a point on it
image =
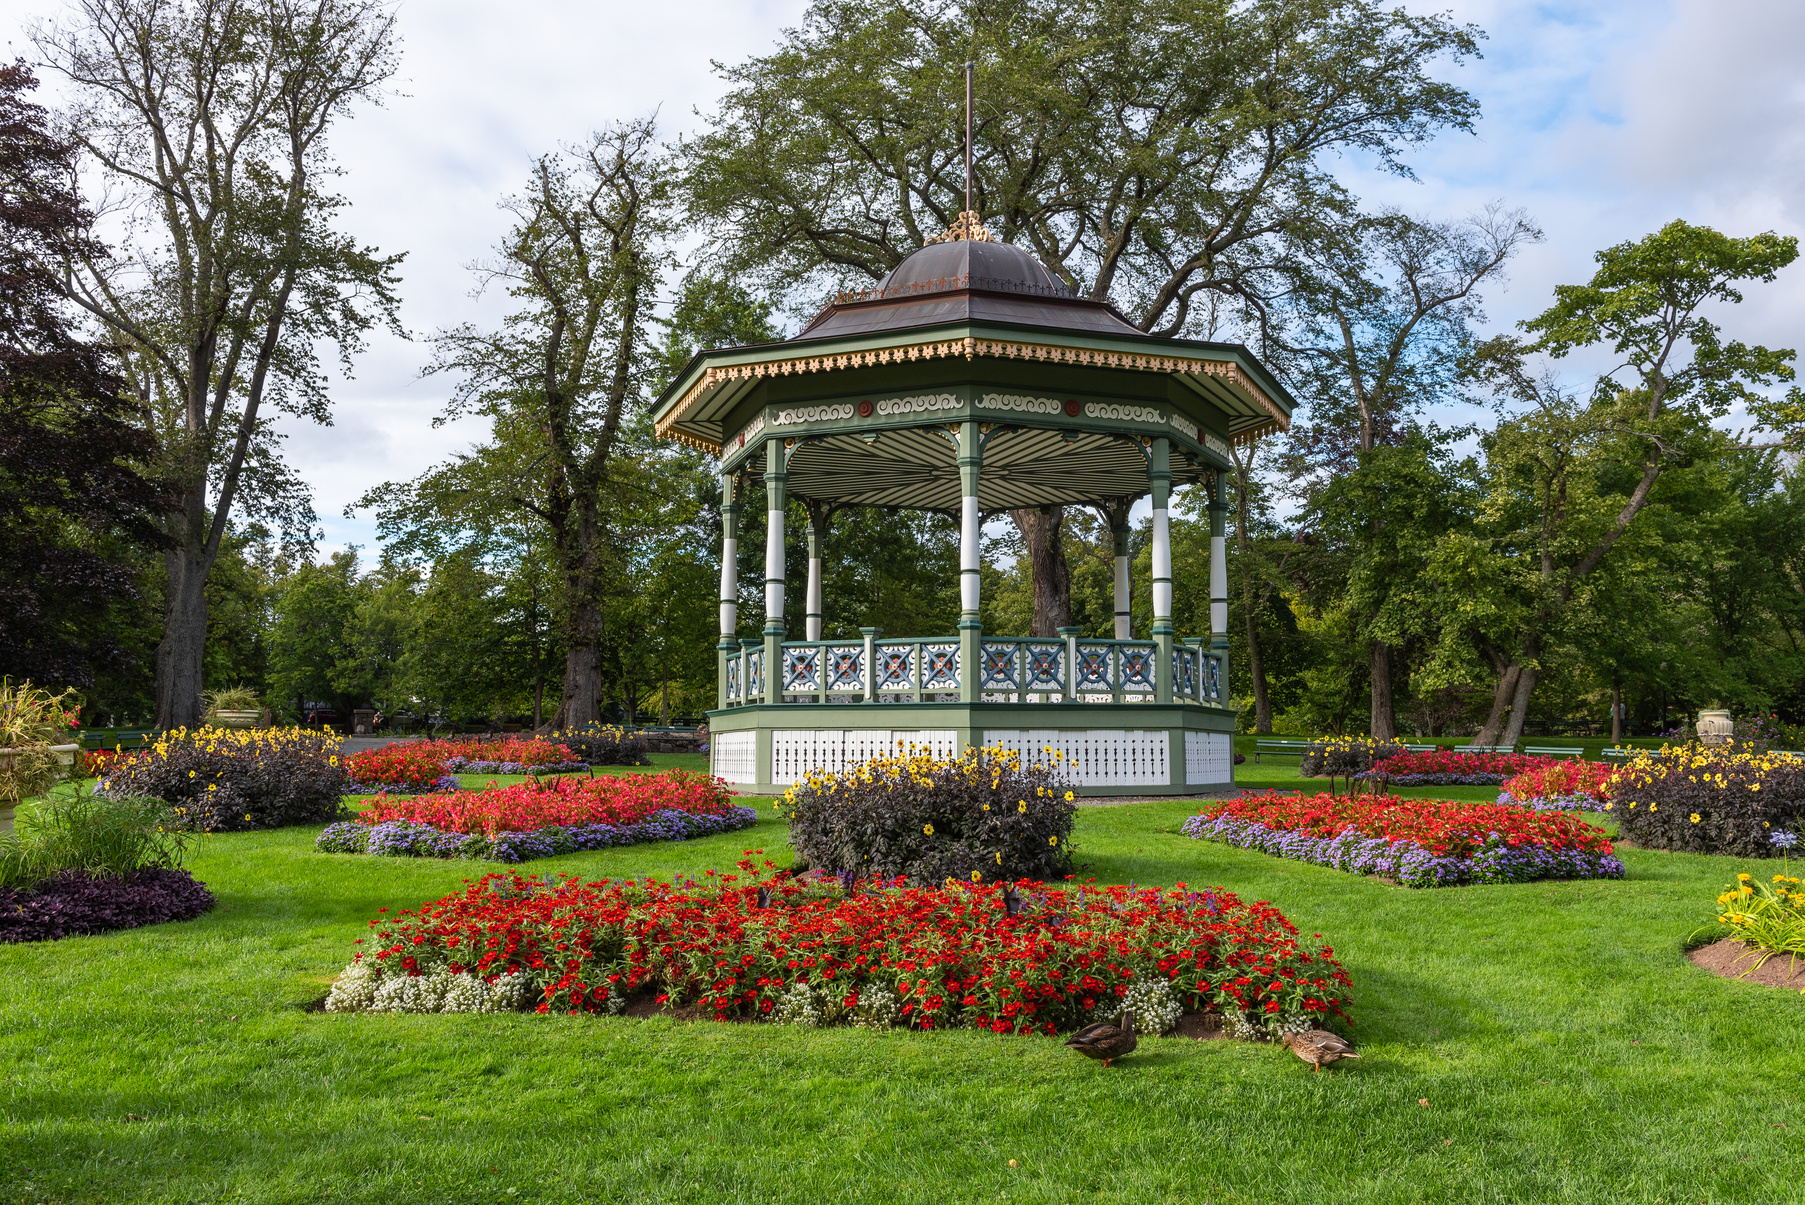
(927, 670)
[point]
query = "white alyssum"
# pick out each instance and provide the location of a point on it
(1156, 1010)
(801, 1005)
(361, 987)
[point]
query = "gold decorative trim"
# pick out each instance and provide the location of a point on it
(969, 227)
(971, 348)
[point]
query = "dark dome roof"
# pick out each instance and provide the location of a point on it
(967, 264)
(966, 280)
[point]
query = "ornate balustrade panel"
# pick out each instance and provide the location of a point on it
(915, 670)
(1094, 757)
(1209, 758)
(801, 668)
(735, 756)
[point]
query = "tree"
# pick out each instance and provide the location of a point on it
(1593, 465)
(582, 262)
(1170, 156)
(1385, 326)
(76, 512)
(207, 123)
(314, 606)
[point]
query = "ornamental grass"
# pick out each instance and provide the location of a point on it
(32, 720)
(1565, 786)
(1709, 801)
(1417, 842)
(1041, 958)
(980, 817)
(232, 779)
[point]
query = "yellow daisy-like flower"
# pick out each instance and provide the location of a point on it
(928, 829)
(987, 807)
(977, 877)
(1695, 817)
(1052, 840)
(1022, 807)
(1609, 806)
(1069, 796)
(999, 859)
(1654, 807)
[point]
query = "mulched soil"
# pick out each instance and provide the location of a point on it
(1733, 959)
(1201, 1026)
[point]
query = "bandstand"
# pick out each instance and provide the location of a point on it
(969, 382)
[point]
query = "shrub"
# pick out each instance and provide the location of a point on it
(809, 952)
(1768, 916)
(1418, 842)
(1344, 756)
(1447, 768)
(981, 817)
(1708, 801)
(1562, 786)
(607, 746)
(231, 780)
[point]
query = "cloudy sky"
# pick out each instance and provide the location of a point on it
(1603, 120)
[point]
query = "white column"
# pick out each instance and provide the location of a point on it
(817, 536)
(730, 561)
(1159, 482)
(1124, 586)
(1218, 586)
(971, 630)
(776, 481)
(1162, 561)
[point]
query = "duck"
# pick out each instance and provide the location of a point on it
(1318, 1046)
(1105, 1041)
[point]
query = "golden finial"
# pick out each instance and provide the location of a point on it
(969, 227)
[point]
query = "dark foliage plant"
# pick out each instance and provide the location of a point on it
(983, 817)
(605, 746)
(73, 903)
(231, 780)
(1710, 801)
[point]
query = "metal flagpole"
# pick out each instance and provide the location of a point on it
(968, 68)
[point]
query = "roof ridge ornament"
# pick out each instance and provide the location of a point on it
(968, 228)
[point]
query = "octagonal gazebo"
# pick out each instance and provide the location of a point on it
(971, 381)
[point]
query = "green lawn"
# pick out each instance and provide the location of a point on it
(1566, 1050)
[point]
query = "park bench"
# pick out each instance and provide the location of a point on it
(117, 738)
(1280, 748)
(1486, 749)
(1421, 748)
(1620, 754)
(1554, 751)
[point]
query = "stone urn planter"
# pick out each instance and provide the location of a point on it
(237, 719)
(65, 758)
(1715, 729)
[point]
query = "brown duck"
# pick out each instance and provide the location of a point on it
(1105, 1041)
(1318, 1047)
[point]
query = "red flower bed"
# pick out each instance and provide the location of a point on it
(1565, 784)
(529, 806)
(1445, 767)
(926, 958)
(418, 765)
(1443, 827)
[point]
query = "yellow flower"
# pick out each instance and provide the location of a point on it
(1022, 807)
(976, 877)
(1069, 796)
(1695, 817)
(1654, 807)
(1743, 877)
(928, 829)
(987, 807)
(1052, 840)
(999, 859)
(1609, 806)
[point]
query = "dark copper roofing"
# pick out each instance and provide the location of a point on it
(965, 280)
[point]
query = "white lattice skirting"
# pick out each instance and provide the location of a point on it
(1209, 758)
(735, 756)
(1096, 757)
(795, 753)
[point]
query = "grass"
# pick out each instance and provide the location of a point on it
(1566, 1050)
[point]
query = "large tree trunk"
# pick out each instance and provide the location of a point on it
(1519, 706)
(1256, 668)
(180, 654)
(580, 702)
(1051, 575)
(1617, 714)
(1501, 697)
(1384, 718)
